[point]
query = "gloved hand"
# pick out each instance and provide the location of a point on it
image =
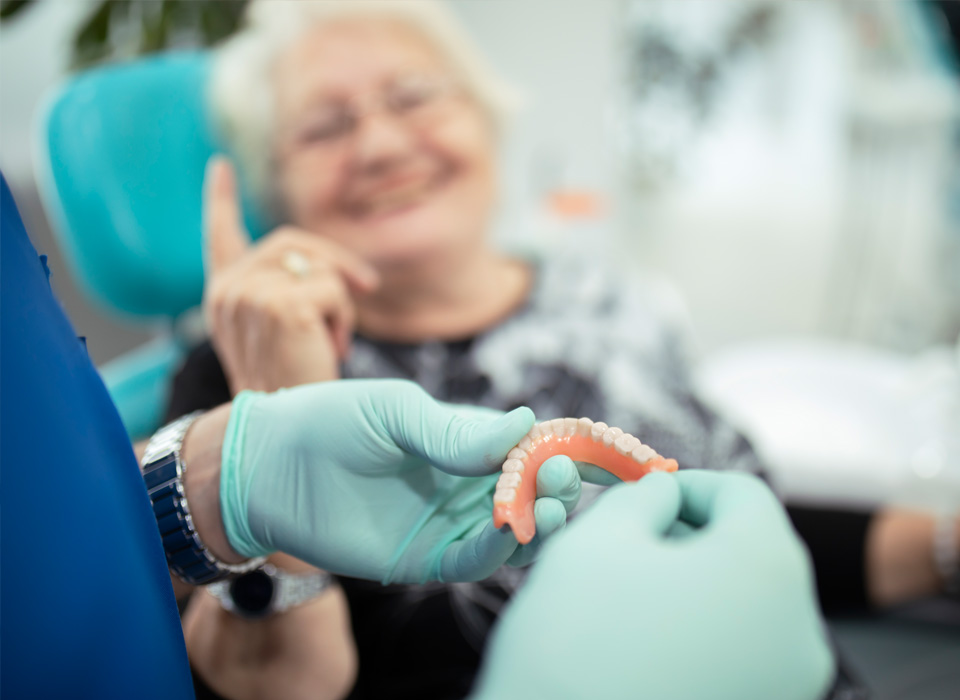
(374, 479)
(619, 608)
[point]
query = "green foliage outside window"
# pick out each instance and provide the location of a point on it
(120, 29)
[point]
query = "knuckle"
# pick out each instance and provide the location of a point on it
(328, 295)
(302, 318)
(224, 301)
(246, 300)
(276, 306)
(287, 236)
(335, 289)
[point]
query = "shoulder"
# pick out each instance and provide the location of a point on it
(589, 318)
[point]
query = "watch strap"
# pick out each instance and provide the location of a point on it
(946, 553)
(163, 470)
(296, 589)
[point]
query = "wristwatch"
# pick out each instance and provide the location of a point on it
(268, 590)
(162, 470)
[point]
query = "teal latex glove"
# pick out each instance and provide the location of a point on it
(619, 607)
(376, 480)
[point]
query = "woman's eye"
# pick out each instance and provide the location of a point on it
(410, 96)
(328, 128)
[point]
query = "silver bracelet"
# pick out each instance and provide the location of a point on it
(946, 553)
(269, 591)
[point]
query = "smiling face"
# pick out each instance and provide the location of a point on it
(414, 177)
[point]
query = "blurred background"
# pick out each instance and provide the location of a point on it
(807, 150)
(790, 168)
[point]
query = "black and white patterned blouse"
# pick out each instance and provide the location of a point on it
(587, 342)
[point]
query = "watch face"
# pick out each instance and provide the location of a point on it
(252, 593)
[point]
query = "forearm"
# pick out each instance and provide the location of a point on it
(899, 557)
(201, 451)
(315, 655)
(869, 559)
(305, 652)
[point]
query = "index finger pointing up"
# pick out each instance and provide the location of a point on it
(225, 239)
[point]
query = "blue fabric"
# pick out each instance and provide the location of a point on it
(87, 606)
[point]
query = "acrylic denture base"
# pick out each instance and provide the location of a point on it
(582, 440)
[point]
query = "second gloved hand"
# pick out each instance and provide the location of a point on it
(374, 479)
(621, 606)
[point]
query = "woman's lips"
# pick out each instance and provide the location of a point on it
(398, 198)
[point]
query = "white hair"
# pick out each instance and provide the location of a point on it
(240, 91)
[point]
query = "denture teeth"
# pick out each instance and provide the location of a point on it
(583, 427)
(597, 431)
(504, 495)
(569, 426)
(546, 428)
(643, 453)
(626, 443)
(508, 480)
(558, 426)
(535, 432)
(610, 435)
(525, 443)
(513, 465)
(517, 453)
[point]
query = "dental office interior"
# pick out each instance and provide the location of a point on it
(783, 175)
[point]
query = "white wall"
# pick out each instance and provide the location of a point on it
(34, 52)
(563, 56)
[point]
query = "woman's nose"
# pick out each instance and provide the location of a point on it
(380, 138)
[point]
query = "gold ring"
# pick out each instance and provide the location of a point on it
(296, 264)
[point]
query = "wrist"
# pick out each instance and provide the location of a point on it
(946, 552)
(201, 450)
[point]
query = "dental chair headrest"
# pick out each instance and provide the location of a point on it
(122, 151)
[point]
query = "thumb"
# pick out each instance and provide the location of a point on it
(458, 440)
(727, 499)
(225, 239)
(471, 446)
(649, 507)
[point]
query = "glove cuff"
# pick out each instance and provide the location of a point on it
(235, 480)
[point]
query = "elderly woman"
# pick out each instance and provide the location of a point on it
(370, 130)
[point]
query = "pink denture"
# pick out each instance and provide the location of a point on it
(582, 440)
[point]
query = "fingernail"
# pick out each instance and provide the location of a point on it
(214, 162)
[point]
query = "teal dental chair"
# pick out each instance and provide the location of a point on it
(121, 155)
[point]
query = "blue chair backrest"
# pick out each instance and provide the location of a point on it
(122, 155)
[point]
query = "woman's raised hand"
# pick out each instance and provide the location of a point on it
(279, 312)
